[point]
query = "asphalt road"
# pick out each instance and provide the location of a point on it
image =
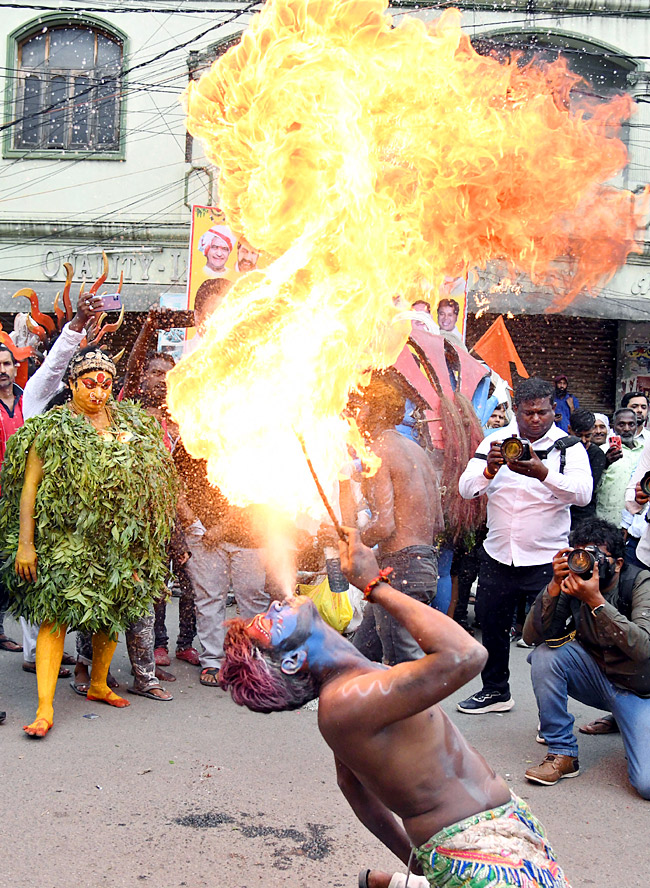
(199, 793)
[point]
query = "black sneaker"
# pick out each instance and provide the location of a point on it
(486, 701)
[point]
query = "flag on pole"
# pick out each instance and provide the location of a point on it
(498, 351)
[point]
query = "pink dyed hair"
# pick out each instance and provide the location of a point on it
(254, 677)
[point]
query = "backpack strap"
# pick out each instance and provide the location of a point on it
(626, 582)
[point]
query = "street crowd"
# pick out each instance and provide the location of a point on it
(103, 512)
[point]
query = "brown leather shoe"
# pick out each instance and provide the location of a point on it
(554, 768)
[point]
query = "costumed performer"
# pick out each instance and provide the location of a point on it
(88, 505)
(397, 753)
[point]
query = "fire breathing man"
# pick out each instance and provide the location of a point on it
(406, 770)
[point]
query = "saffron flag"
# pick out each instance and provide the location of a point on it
(498, 351)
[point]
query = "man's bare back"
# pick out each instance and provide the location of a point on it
(403, 495)
(420, 767)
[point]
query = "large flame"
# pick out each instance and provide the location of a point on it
(370, 159)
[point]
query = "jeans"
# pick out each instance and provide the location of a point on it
(569, 671)
(416, 574)
(499, 588)
(443, 586)
(212, 572)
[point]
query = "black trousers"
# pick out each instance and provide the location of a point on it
(500, 588)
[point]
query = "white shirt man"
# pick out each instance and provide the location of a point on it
(528, 521)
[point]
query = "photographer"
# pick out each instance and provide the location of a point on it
(596, 626)
(528, 520)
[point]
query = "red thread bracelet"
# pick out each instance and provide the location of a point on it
(383, 577)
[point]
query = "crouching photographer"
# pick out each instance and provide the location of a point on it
(594, 617)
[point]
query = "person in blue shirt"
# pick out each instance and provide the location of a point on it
(565, 403)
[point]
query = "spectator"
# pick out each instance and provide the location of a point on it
(600, 433)
(621, 463)
(11, 419)
(406, 516)
(638, 402)
(581, 425)
(565, 403)
(448, 311)
(605, 665)
(528, 520)
(636, 502)
(633, 527)
(226, 551)
(499, 417)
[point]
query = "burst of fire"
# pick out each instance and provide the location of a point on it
(367, 159)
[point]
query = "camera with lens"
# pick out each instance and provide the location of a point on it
(582, 561)
(515, 448)
(645, 483)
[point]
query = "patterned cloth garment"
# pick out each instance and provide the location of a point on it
(505, 846)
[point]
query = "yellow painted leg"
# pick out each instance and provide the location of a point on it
(49, 651)
(103, 650)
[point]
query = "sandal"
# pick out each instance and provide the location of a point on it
(8, 644)
(161, 656)
(151, 695)
(189, 655)
(210, 677)
(31, 667)
(363, 878)
(80, 688)
(606, 724)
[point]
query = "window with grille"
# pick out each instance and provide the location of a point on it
(68, 90)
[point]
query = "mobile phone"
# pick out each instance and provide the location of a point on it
(615, 441)
(111, 302)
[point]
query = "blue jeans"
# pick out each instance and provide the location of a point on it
(569, 671)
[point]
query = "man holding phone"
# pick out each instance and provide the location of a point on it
(622, 459)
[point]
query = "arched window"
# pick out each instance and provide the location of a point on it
(68, 90)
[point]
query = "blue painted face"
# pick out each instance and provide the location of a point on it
(285, 626)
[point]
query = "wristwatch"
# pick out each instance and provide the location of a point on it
(596, 610)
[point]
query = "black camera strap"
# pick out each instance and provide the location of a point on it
(562, 444)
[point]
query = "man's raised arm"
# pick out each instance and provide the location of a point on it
(453, 656)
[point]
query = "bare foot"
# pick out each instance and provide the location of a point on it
(38, 728)
(110, 698)
(161, 693)
(81, 673)
(163, 675)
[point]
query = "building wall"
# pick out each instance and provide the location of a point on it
(56, 209)
(583, 348)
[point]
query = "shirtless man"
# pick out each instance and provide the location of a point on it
(396, 751)
(406, 516)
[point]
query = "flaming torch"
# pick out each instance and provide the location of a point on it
(366, 158)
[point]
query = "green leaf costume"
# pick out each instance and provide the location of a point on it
(104, 514)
